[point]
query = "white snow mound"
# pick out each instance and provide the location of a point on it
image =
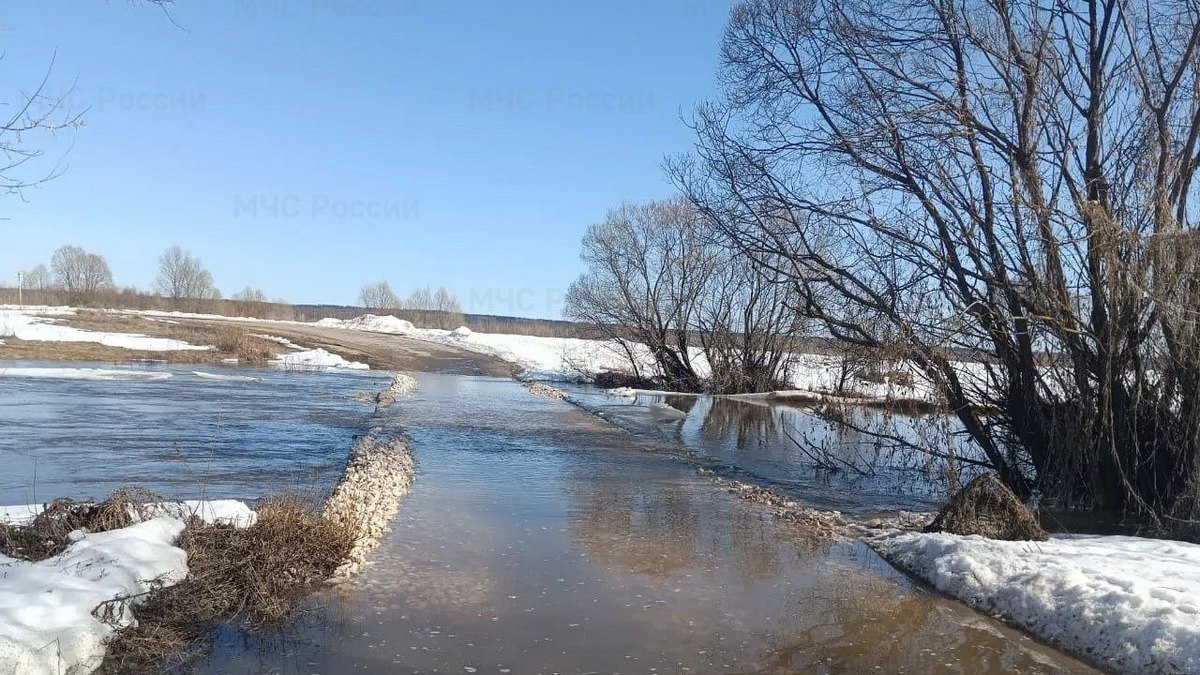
(461, 332)
(46, 620)
(317, 359)
(372, 324)
(1129, 603)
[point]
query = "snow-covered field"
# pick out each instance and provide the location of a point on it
(51, 611)
(1127, 603)
(539, 358)
(38, 323)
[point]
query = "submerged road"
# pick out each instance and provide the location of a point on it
(381, 351)
(540, 539)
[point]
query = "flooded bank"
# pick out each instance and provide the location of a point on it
(866, 465)
(539, 538)
(217, 432)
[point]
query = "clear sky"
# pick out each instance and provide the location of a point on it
(310, 146)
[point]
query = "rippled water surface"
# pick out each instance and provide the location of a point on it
(184, 436)
(540, 539)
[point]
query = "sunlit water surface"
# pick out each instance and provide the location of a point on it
(187, 436)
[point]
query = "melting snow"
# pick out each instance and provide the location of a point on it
(46, 620)
(1129, 603)
(47, 624)
(317, 359)
(20, 323)
(84, 374)
(224, 378)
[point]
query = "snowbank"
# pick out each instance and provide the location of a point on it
(46, 620)
(461, 332)
(47, 623)
(372, 324)
(20, 323)
(1130, 604)
(99, 374)
(548, 359)
(317, 359)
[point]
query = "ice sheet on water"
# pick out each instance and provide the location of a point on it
(225, 378)
(97, 374)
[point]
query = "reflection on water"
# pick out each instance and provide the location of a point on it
(872, 461)
(182, 437)
(538, 539)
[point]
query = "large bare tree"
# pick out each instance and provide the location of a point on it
(81, 274)
(183, 277)
(646, 270)
(379, 296)
(1008, 178)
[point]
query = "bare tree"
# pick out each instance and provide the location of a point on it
(38, 284)
(36, 114)
(39, 112)
(421, 298)
(647, 267)
(183, 277)
(81, 274)
(1008, 179)
(747, 325)
(379, 296)
(249, 294)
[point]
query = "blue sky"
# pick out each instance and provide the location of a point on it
(309, 147)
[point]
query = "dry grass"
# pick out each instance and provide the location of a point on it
(988, 508)
(248, 348)
(255, 577)
(47, 535)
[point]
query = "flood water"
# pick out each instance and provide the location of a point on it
(265, 431)
(858, 466)
(539, 538)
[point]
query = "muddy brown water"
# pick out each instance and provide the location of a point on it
(538, 538)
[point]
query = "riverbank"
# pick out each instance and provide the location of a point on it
(128, 336)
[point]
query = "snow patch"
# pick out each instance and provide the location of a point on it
(211, 511)
(317, 359)
(46, 620)
(1129, 603)
(461, 332)
(23, 325)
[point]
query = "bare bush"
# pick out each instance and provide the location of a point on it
(255, 577)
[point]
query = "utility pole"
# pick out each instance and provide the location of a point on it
(20, 288)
